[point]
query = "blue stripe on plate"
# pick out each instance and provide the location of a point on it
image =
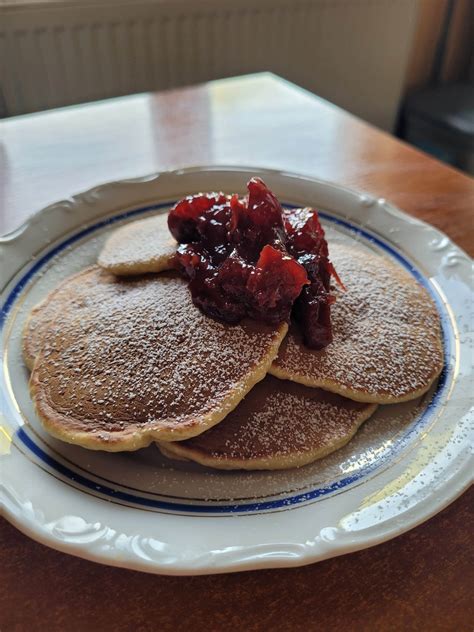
(216, 508)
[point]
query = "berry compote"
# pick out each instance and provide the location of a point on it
(251, 258)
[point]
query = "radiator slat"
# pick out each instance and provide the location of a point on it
(353, 52)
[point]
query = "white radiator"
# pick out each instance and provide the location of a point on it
(352, 52)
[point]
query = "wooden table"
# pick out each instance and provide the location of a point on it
(420, 581)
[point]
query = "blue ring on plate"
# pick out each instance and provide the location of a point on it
(257, 506)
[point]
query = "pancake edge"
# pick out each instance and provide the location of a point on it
(179, 452)
(160, 263)
(26, 336)
(357, 395)
(29, 357)
(56, 423)
(151, 266)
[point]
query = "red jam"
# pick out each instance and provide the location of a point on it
(250, 258)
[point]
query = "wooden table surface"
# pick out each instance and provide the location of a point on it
(420, 581)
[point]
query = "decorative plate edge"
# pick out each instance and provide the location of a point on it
(100, 543)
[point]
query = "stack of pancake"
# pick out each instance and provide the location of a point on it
(120, 358)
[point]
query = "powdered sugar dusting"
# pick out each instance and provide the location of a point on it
(281, 419)
(145, 245)
(136, 354)
(43, 314)
(387, 340)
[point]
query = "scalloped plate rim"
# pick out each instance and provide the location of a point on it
(222, 562)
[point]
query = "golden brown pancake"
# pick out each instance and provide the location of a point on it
(387, 338)
(131, 361)
(35, 330)
(278, 425)
(41, 316)
(139, 247)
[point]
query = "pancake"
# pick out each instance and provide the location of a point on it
(387, 339)
(42, 315)
(130, 361)
(278, 425)
(139, 247)
(35, 330)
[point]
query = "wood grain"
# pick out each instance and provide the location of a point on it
(419, 581)
(256, 120)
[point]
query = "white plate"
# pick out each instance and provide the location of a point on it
(142, 511)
